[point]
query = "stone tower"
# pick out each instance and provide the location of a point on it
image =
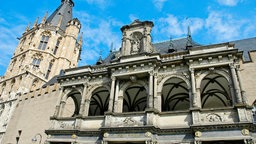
(43, 51)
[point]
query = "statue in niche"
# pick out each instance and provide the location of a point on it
(136, 42)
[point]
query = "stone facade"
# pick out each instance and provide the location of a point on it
(176, 91)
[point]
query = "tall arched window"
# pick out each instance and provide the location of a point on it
(175, 95)
(99, 102)
(135, 99)
(43, 42)
(215, 92)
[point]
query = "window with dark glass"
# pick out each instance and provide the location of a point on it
(43, 42)
(48, 71)
(56, 47)
(36, 62)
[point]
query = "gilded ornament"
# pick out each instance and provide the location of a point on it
(245, 132)
(73, 136)
(198, 134)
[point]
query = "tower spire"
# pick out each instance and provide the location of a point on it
(64, 11)
(28, 27)
(36, 22)
(44, 19)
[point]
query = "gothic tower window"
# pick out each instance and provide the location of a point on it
(99, 102)
(48, 70)
(175, 95)
(215, 92)
(56, 46)
(43, 42)
(36, 62)
(135, 99)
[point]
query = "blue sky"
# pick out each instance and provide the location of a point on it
(211, 21)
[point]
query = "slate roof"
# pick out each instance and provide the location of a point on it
(178, 45)
(245, 45)
(64, 11)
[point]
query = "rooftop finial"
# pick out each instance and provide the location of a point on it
(171, 46)
(189, 39)
(45, 17)
(36, 22)
(100, 61)
(111, 47)
(28, 27)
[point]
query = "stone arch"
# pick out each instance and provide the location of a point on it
(204, 74)
(99, 101)
(72, 99)
(215, 89)
(126, 85)
(92, 89)
(160, 85)
(175, 95)
(69, 90)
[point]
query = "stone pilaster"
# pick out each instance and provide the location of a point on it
(112, 94)
(82, 106)
(236, 85)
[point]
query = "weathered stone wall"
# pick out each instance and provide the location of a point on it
(32, 115)
(248, 75)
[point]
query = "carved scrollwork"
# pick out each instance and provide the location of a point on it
(214, 118)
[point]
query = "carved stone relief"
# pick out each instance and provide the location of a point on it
(217, 117)
(128, 121)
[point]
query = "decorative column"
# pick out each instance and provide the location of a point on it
(83, 99)
(86, 108)
(116, 97)
(62, 106)
(244, 98)
(112, 94)
(57, 108)
(236, 85)
(157, 98)
(193, 85)
(150, 93)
